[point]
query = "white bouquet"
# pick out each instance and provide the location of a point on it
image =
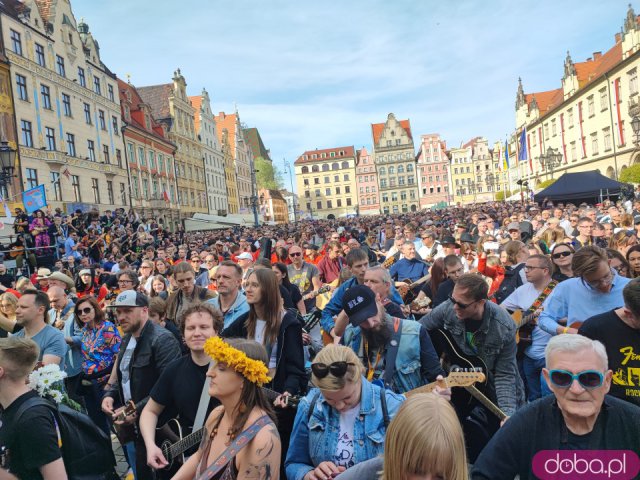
(48, 381)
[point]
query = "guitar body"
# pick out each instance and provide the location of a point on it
(452, 358)
(166, 436)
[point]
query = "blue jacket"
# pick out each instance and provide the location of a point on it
(417, 361)
(315, 441)
(405, 269)
(239, 308)
(334, 307)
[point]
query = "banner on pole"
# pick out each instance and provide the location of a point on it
(34, 199)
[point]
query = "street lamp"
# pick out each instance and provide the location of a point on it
(287, 168)
(635, 125)
(7, 163)
(551, 160)
(309, 197)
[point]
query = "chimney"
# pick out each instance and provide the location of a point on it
(618, 37)
(597, 55)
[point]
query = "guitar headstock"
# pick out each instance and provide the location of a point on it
(461, 378)
(324, 289)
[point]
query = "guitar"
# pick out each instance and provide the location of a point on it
(125, 433)
(315, 293)
(459, 378)
(405, 287)
(464, 400)
(419, 304)
(310, 320)
(389, 261)
(173, 443)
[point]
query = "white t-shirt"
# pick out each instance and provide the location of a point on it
(344, 456)
(124, 368)
(261, 327)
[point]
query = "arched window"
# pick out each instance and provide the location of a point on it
(335, 166)
(400, 169)
(305, 169)
(325, 167)
(392, 170)
(410, 167)
(315, 168)
(383, 171)
(345, 164)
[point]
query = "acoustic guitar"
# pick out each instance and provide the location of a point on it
(405, 287)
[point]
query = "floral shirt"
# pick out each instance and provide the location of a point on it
(100, 346)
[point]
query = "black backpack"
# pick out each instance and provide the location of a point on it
(512, 280)
(86, 450)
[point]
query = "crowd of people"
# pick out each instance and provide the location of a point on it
(444, 344)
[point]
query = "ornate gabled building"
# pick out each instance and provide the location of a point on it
(150, 156)
(587, 119)
(433, 171)
(229, 173)
(67, 109)
(394, 157)
(367, 184)
(171, 106)
(242, 159)
(207, 132)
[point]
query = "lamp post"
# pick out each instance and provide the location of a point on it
(7, 162)
(550, 160)
(287, 168)
(490, 181)
(309, 197)
(254, 197)
(635, 125)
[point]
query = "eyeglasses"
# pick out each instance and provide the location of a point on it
(588, 379)
(195, 259)
(125, 281)
(461, 305)
(85, 311)
(561, 254)
(337, 369)
(295, 254)
(620, 268)
(606, 280)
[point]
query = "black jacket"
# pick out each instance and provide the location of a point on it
(541, 426)
(156, 348)
(290, 374)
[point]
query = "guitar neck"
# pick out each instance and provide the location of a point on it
(186, 443)
(493, 408)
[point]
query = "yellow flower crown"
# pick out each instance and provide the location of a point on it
(253, 370)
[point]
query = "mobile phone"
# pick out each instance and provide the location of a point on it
(488, 246)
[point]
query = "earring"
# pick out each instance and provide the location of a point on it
(242, 408)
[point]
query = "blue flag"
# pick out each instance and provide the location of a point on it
(34, 199)
(522, 145)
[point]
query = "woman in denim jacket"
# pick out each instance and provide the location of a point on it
(346, 424)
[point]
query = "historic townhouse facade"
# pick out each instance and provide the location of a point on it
(367, 184)
(151, 160)
(394, 159)
(242, 159)
(229, 172)
(67, 108)
(461, 173)
(206, 130)
(171, 106)
(433, 171)
(273, 206)
(326, 182)
(588, 119)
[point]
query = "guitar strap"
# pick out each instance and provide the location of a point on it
(392, 352)
(541, 298)
(202, 406)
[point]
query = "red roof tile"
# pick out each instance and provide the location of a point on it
(157, 97)
(45, 8)
(546, 100)
(377, 129)
(348, 152)
(136, 110)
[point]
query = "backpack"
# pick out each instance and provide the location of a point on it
(86, 450)
(512, 280)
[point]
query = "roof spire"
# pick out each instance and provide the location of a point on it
(630, 23)
(569, 67)
(520, 98)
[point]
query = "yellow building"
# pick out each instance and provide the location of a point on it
(67, 107)
(229, 173)
(588, 118)
(327, 182)
(170, 105)
(461, 173)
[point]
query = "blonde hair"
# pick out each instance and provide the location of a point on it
(11, 298)
(18, 356)
(23, 283)
(337, 353)
(425, 437)
(493, 261)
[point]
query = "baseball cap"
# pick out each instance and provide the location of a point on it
(359, 303)
(131, 298)
(244, 256)
(85, 271)
(513, 226)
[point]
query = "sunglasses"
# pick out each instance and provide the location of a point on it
(337, 369)
(561, 254)
(460, 304)
(85, 311)
(588, 379)
(295, 254)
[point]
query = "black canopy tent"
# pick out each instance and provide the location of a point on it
(589, 187)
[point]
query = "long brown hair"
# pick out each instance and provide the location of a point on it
(98, 316)
(271, 303)
(252, 395)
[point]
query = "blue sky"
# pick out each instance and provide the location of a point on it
(312, 74)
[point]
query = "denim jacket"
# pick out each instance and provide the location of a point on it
(315, 441)
(239, 308)
(416, 361)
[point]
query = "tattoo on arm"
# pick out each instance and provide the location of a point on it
(261, 467)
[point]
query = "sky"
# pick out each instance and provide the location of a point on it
(311, 74)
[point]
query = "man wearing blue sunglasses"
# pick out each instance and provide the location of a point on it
(579, 416)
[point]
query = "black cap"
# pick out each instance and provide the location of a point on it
(359, 303)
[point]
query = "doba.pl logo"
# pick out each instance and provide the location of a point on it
(586, 464)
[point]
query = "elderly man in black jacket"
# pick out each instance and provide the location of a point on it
(145, 352)
(579, 416)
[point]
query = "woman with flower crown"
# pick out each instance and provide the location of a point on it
(240, 438)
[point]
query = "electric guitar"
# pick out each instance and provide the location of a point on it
(173, 443)
(315, 293)
(459, 378)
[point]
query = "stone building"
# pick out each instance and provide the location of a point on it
(367, 184)
(433, 171)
